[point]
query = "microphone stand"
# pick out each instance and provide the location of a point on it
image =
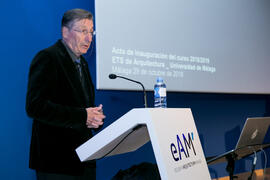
(253, 166)
(145, 100)
(230, 166)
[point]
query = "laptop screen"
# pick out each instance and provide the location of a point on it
(253, 132)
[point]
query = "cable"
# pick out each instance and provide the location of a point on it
(90, 50)
(92, 47)
(265, 162)
(134, 129)
(253, 165)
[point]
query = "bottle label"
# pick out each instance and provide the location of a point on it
(162, 92)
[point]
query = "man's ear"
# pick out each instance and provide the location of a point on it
(65, 32)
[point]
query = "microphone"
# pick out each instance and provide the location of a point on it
(114, 76)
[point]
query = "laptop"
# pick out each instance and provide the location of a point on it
(252, 139)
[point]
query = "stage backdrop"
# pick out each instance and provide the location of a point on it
(196, 46)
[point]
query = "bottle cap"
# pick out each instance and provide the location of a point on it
(159, 79)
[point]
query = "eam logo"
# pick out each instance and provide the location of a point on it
(183, 146)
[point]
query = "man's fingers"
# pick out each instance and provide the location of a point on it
(95, 117)
(94, 124)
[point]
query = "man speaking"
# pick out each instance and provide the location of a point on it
(60, 99)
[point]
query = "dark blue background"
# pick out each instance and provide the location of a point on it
(29, 26)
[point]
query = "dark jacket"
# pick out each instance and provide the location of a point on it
(56, 102)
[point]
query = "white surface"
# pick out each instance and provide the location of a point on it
(162, 125)
(195, 46)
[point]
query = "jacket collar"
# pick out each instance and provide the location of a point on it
(70, 70)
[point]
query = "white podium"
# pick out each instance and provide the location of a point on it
(173, 135)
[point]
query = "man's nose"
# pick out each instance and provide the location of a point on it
(89, 37)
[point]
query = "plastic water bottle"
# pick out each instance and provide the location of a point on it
(160, 94)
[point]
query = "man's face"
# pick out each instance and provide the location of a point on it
(79, 36)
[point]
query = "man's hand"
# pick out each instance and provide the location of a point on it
(95, 117)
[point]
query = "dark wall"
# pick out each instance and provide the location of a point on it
(29, 26)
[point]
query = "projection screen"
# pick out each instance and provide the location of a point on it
(195, 46)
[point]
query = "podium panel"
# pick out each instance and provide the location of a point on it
(173, 136)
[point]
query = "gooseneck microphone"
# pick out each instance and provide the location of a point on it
(114, 76)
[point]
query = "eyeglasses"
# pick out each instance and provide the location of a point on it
(85, 32)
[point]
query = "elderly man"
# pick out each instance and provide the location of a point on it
(60, 99)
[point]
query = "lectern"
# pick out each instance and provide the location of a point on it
(174, 138)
